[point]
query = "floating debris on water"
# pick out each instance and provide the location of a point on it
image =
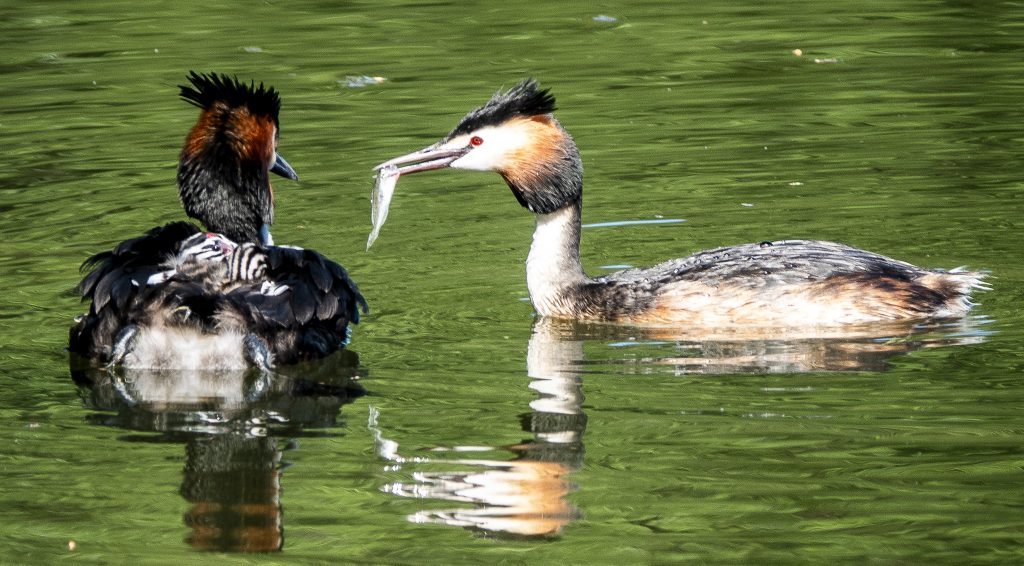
(361, 81)
(252, 49)
(798, 52)
(826, 60)
(605, 19)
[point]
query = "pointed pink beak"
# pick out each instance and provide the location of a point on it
(426, 159)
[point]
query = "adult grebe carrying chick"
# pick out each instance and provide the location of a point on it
(791, 283)
(181, 298)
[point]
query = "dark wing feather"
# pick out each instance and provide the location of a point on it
(134, 259)
(115, 285)
(313, 278)
(122, 291)
(310, 317)
(102, 293)
(303, 301)
(326, 306)
(320, 276)
(265, 314)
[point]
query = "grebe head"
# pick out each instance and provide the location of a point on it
(202, 258)
(206, 246)
(515, 135)
(223, 174)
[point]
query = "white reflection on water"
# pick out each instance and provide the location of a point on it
(521, 497)
(781, 350)
(234, 426)
(526, 496)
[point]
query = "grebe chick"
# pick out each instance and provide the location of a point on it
(783, 283)
(181, 298)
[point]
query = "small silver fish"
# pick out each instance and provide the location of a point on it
(380, 199)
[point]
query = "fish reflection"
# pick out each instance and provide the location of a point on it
(526, 496)
(235, 426)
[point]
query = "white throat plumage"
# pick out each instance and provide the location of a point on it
(553, 265)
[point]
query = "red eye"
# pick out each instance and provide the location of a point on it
(476, 140)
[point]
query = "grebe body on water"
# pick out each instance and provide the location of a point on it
(780, 283)
(180, 297)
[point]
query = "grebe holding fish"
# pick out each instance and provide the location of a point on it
(790, 283)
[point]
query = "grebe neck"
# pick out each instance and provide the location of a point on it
(553, 266)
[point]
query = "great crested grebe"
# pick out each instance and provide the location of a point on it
(783, 283)
(182, 298)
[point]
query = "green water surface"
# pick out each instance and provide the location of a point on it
(473, 433)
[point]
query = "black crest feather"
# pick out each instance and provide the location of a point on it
(523, 100)
(209, 89)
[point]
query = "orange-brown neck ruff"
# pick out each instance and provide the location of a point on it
(256, 143)
(544, 174)
(529, 163)
(248, 136)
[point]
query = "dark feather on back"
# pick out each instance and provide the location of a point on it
(311, 317)
(116, 285)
